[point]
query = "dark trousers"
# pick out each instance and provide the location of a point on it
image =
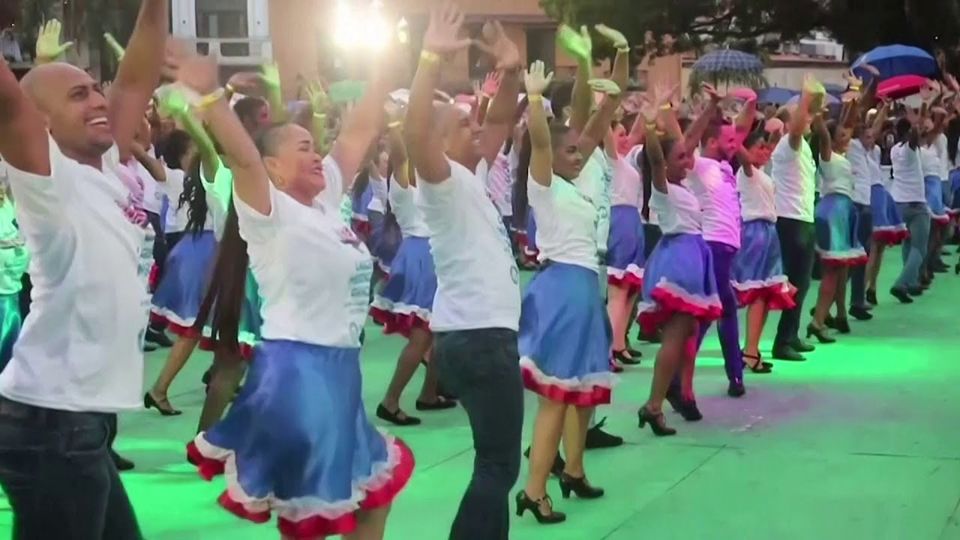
(797, 243)
(25, 295)
(56, 470)
(858, 274)
(482, 368)
(651, 235)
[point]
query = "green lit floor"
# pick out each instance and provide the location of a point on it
(860, 442)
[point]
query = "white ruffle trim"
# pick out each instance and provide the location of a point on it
(704, 302)
(844, 255)
(301, 508)
(631, 269)
(892, 228)
(384, 304)
(359, 217)
(172, 317)
(604, 380)
(752, 284)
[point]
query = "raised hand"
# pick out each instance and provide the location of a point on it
(248, 83)
(605, 86)
(536, 79)
(171, 102)
(49, 48)
(442, 35)
(199, 74)
(491, 84)
(951, 82)
(270, 75)
(318, 97)
(812, 86)
(663, 95)
(576, 44)
(712, 93)
(617, 39)
(929, 91)
(853, 81)
(496, 43)
(114, 45)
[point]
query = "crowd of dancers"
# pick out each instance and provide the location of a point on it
(269, 234)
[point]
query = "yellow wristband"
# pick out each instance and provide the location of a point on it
(429, 57)
(395, 124)
(535, 98)
(651, 125)
(854, 88)
(211, 98)
(230, 88)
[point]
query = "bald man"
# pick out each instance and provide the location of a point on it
(78, 360)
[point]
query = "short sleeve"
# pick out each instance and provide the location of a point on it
(222, 186)
(333, 177)
(40, 198)
(173, 186)
(540, 197)
(438, 197)
(255, 227)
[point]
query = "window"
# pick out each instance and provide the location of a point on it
(541, 45)
(224, 19)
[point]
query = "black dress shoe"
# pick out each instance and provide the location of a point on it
(149, 347)
(440, 404)
(121, 463)
(838, 324)
(579, 486)
(820, 333)
(736, 389)
(598, 438)
(801, 346)
(158, 337)
(397, 417)
(687, 408)
(657, 424)
(558, 463)
(872, 297)
(860, 313)
(525, 503)
(915, 291)
(901, 295)
(786, 353)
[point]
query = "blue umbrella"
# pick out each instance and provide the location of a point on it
(896, 60)
(829, 99)
(728, 67)
(775, 95)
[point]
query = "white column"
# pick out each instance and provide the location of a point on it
(258, 25)
(184, 18)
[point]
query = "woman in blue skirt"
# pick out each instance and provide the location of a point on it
(835, 223)
(757, 272)
(564, 332)
(932, 165)
(296, 440)
(679, 287)
(404, 304)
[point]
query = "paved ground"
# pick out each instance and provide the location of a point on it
(860, 442)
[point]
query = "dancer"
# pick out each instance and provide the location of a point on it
(794, 176)
(564, 335)
(932, 164)
(477, 307)
(909, 193)
(14, 259)
(835, 221)
(299, 415)
(757, 269)
(85, 313)
(405, 303)
(679, 290)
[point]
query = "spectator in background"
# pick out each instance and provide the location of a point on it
(10, 46)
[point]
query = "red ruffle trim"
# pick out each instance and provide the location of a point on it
(891, 237)
(209, 344)
(775, 296)
(631, 282)
(668, 304)
(315, 526)
(528, 256)
(847, 262)
(398, 323)
(943, 220)
(206, 343)
(153, 277)
(361, 228)
(597, 395)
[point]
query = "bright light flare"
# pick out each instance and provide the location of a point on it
(363, 28)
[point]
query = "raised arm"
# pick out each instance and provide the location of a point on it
(501, 114)
(743, 157)
(396, 146)
(139, 72)
(599, 123)
(24, 142)
(319, 108)
(250, 181)
(150, 163)
(541, 157)
(823, 135)
(172, 103)
(694, 133)
(49, 49)
(424, 141)
(811, 97)
(580, 47)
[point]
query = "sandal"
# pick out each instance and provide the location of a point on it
(759, 366)
(439, 404)
(397, 417)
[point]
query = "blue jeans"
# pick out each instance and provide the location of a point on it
(858, 274)
(917, 217)
(482, 368)
(56, 471)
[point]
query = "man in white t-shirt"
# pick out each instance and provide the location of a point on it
(476, 310)
(794, 176)
(78, 360)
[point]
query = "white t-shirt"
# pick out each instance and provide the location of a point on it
(907, 174)
(594, 182)
(678, 209)
(218, 195)
(930, 161)
(478, 283)
(756, 196)
(794, 177)
(152, 194)
(378, 190)
(627, 186)
(862, 170)
(500, 184)
(80, 346)
(404, 206)
(566, 223)
(944, 155)
(313, 272)
(837, 176)
(177, 216)
(715, 186)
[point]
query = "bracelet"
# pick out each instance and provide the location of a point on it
(230, 88)
(429, 57)
(666, 107)
(624, 49)
(651, 125)
(854, 88)
(395, 124)
(534, 98)
(319, 115)
(211, 98)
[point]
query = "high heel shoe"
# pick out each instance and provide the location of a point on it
(525, 503)
(657, 424)
(841, 325)
(758, 366)
(872, 297)
(820, 334)
(687, 408)
(150, 402)
(579, 486)
(623, 358)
